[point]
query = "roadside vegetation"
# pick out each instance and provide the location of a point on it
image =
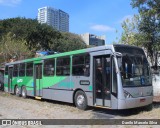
(143, 29)
(22, 37)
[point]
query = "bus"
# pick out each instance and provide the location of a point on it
(110, 76)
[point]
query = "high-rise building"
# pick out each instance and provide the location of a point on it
(91, 39)
(57, 18)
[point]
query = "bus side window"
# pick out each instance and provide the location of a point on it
(6, 70)
(49, 67)
(81, 65)
(22, 69)
(15, 70)
(29, 69)
(63, 66)
(87, 64)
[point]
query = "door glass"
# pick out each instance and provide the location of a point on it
(98, 71)
(38, 80)
(10, 79)
(102, 80)
(114, 79)
(38, 72)
(107, 73)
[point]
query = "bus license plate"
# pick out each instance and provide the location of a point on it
(142, 100)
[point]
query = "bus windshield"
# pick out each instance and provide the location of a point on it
(134, 68)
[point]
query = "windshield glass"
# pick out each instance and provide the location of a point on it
(134, 68)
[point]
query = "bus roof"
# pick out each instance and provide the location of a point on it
(98, 48)
(125, 45)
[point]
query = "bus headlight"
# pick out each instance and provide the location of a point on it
(127, 95)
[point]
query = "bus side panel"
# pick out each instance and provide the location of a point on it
(47, 93)
(29, 92)
(26, 81)
(63, 95)
(61, 88)
(58, 88)
(14, 84)
(29, 86)
(58, 95)
(89, 98)
(84, 83)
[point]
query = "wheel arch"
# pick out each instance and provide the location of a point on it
(78, 89)
(23, 86)
(15, 88)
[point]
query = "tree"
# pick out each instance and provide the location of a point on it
(35, 36)
(42, 37)
(149, 25)
(69, 42)
(10, 46)
(131, 34)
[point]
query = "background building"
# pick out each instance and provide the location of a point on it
(94, 40)
(55, 17)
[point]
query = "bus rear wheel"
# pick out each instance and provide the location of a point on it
(80, 100)
(17, 93)
(24, 92)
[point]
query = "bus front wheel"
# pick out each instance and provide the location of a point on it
(80, 100)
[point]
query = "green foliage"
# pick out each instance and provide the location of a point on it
(10, 46)
(69, 42)
(37, 36)
(130, 33)
(33, 36)
(41, 37)
(18, 26)
(149, 24)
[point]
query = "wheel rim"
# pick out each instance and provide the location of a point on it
(17, 90)
(23, 93)
(80, 100)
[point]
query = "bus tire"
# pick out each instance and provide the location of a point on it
(24, 92)
(80, 100)
(17, 93)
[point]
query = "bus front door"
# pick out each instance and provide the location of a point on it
(102, 80)
(38, 79)
(10, 75)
